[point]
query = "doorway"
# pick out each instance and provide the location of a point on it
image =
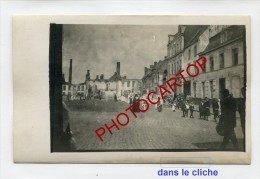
(187, 88)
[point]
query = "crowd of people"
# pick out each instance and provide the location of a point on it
(223, 111)
(187, 105)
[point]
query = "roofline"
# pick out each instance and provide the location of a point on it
(227, 43)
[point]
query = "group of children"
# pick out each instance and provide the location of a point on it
(185, 107)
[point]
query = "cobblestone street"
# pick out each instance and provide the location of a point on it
(150, 130)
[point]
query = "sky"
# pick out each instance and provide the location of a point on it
(98, 47)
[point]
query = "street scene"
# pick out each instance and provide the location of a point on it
(151, 130)
(107, 68)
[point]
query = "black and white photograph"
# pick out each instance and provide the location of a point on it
(159, 88)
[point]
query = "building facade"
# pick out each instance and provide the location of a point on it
(154, 76)
(224, 48)
(121, 86)
(225, 63)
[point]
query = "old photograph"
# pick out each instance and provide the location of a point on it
(147, 87)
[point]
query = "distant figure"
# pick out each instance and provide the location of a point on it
(135, 109)
(206, 109)
(130, 97)
(160, 105)
(201, 109)
(191, 109)
(187, 107)
(173, 106)
(228, 118)
(215, 107)
(115, 97)
(183, 107)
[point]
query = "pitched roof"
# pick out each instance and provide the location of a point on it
(234, 32)
(157, 68)
(192, 34)
(114, 77)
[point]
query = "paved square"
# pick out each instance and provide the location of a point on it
(150, 130)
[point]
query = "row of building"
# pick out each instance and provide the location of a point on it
(107, 88)
(225, 49)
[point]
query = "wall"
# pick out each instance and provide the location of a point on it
(232, 74)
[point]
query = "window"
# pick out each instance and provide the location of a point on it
(205, 68)
(82, 88)
(189, 54)
(221, 61)
(195, 50)
(172, 68)
(203, 89)
(189, 68)
(211, 88)
(223, 37)
(69, 87)
(128, 84)
(133, 83)
(64, 87)
(235, 56)
(211, 61)
(78, 88)
(194, 89)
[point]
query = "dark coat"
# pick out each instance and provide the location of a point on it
(201, 108)
(228, 112)
(207, 108)
(135, 108)
(215, 105)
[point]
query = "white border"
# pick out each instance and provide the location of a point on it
(7, 9)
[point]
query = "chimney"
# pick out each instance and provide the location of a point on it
(118, 68)
(97, 77)
(70, 72)
(88, 75)
(102, 77)
(155, 63)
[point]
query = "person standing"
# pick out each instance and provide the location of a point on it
(191, 109)
(187, 107)
(115, 97)
(215, 108)
(201, 108)
(206, 109)
(183, 107)
(135, 108)
(228, 119)
(131, 98)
